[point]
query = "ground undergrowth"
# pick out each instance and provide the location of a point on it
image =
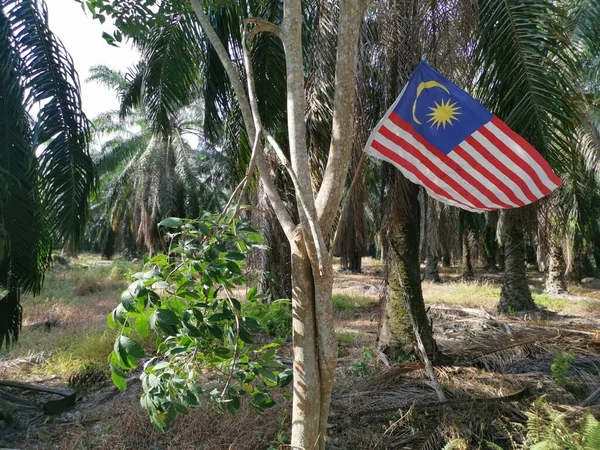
(501, 367)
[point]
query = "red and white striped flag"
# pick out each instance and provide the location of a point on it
(443, 139)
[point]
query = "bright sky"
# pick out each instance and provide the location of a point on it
(82, 36)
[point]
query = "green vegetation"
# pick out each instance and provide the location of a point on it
(186, 300)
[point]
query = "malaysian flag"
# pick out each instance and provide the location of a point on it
(441, 138)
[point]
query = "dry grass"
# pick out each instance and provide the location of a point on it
(369, 411)
(124, 425)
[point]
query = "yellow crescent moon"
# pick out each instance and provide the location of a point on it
(425, 85)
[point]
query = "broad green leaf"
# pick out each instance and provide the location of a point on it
(118, 378)
(133, 348)
(164, 320)
(245, 335)
(252, 293)
(284, 378)
(223, 352)
(142, 326)
(235, 256)
(171, 222)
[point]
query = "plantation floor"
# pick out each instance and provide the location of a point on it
(500, 364)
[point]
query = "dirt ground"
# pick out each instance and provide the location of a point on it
(499, 366)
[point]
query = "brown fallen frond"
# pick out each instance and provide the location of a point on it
(522, 394)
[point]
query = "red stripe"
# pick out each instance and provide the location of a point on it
(467, 176)
(516, 159)
(529, 149)
(409, 167)
(446, 178)
(401, 123)
(488, 175)
(485, 153)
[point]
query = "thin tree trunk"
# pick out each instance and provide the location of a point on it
(306, 402)
(432, 241)
(515, 295)
(490, 244)
(396, 336)
(315, 346)
(69, 249)
(467, 266)
(465, 242)
(555, 282)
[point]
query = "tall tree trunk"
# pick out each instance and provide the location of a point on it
(467, 265)
(69, 249)
(465, 241)
(309, 392)
(555, 282)
(315, 346)
(490, 244)
(396, 337)
(514, 295)
(432, 242)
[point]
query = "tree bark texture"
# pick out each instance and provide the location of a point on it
(515, 295)
(396, 336)
(490, 243)
(555, 282)
(467, 266)
(432, 242)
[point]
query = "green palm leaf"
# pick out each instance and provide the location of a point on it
(527, 74)
(171, 77)
(24, 248)
(66, 170)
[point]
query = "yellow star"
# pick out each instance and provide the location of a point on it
(443, 113)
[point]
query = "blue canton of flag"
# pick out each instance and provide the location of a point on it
(438, 136)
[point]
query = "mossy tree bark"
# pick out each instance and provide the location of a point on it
(515, 295)
(396, 337)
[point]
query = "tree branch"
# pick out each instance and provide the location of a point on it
(247, 114)
(310, 213)
(342, 132)
(262, 26)
(281, 211)
(242, 186)
(232, 72)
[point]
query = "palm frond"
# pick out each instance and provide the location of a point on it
(25, 248)
(108, 77)
(527, 73)
(67, 173)
(171, 77)
(115, 152)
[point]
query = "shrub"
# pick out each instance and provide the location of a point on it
(186, 300)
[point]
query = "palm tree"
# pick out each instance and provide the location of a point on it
(531, 87)
(148, 175)
(46, 171)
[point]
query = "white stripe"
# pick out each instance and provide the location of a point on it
(424, 170)
(413, 178)
(454, 156)
(511, 185)
(441, 165)
(522, 153)
(509, 164)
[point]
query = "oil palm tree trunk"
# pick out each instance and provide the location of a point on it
(515, 295)
(432, 241)
(555, 282)
(396, 337)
